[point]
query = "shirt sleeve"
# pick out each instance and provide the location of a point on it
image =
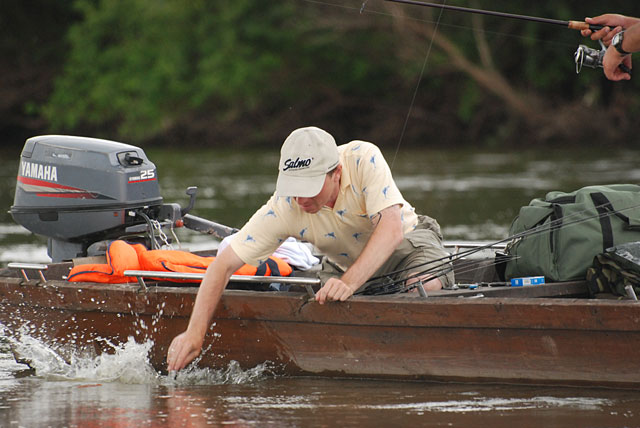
(264, 232)
(377, 184)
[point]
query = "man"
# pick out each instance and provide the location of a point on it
(345, 202)
(622, 36)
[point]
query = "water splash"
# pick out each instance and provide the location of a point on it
(233, 374)
(128, 363)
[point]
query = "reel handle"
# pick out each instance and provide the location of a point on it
(625, 69)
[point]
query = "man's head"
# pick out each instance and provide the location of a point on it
(306, 157)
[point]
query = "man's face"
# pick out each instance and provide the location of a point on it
(327, 196)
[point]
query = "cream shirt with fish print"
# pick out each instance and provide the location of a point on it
(341, 232)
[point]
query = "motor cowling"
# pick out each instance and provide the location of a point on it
(80, 190)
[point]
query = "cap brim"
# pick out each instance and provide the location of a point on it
(301, 187)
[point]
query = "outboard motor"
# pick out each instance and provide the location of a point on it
(78, 191)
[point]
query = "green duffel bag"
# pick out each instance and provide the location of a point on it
(559, 236)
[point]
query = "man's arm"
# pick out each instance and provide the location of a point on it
(612, 58)
(613, 24)
(187, 345)
(386, 236)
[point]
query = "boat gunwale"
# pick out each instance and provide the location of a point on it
(383, 311)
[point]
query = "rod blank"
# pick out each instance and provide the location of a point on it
(575, 25)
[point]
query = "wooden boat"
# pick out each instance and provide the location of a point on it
(80, 192)
(543, 334)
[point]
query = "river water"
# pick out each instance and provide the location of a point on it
(474, 195)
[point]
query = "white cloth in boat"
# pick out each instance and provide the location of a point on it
(294, 252)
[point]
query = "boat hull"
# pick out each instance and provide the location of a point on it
(493, 339)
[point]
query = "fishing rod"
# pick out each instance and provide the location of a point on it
(574, 25)
(384, 283)
(584, 55)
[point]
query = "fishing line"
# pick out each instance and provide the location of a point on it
(396, 286)
(436, 24)
(386, 283)
(399, 285)
(415, 92)
(370, 11)
(447, 265)
(554, 225)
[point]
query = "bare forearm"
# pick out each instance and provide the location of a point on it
(631, 42)
(386, 236)
(187, 345)
(617, 64)
(207, 300)
(383, 241)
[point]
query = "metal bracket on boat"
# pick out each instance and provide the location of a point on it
(306, 282)
(421, 290)
(143, 286)
(631, 293)
(24, 267)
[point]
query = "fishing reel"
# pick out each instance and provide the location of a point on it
(592, 57)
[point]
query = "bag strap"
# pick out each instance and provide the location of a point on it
(604, 207)
(566, 199)
(557, 217)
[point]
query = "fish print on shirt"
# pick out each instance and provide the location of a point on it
(412, 210)
(384, 192)
(341, 213)
(331, 235)
(356, 235)
(346, 255)
(270, 213)
(373, 161)
(288, 200)
(302, 232)
(249, 238)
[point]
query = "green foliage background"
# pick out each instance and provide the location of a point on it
(246, 72)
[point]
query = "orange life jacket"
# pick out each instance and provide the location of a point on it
(120, 255)
(181, 261)
(123, 256)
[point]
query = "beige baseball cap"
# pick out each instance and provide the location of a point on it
(306, 157)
